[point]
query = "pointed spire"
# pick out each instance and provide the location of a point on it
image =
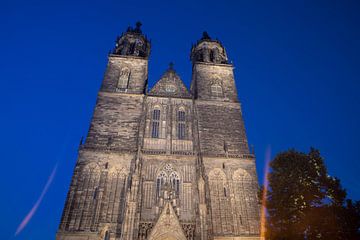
(171, 66)
(138, 27)
(205, 36)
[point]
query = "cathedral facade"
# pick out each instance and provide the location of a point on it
(168, 163)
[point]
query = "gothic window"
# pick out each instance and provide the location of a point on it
(220, 205)
(206, 54)
(115, 194)
(107, 235)
(86, 193)
(181, 125)
(95, 193)
(212, 56)
(155, 123)
(175, 182)
(216, 56)
(160, 182)
(169, 177)
(216, 90)
(123, 80)
(243, 191)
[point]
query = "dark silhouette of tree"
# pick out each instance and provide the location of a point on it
(304, 202)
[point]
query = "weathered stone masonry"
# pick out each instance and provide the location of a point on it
(166, 163)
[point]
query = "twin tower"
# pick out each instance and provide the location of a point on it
(167, 163)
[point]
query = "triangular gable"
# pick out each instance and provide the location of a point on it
(167, 226)
(170, 85)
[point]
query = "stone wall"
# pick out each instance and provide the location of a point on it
(207, 74)
(96, 197)
(221, 128)
(115, 123)
(124, 175)
(138, 74)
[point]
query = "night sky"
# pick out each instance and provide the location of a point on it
(297, 70)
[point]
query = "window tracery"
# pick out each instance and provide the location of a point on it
(244, 197)
(220, 205)
(167, 178)
(160, 182)
(123, 80)
(216, 90)
(181, 124)
(155, 126)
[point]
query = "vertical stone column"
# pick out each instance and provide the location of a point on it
(131, 205)
(202, 209)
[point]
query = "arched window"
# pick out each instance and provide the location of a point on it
(245, 199)
(181, 125)
(96, 190)
(107, 235)
(155, 123)
(160, 182)
(175, 182)
(123, 78)
(216, 55)
(219, 202)
(169, 177)
(216, 90)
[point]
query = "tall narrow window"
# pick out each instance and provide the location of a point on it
(181, 125)
(216, 90)
(155, 123)
(124, 78)
(160, 182)
(175, 182)
(95, 193)
(107, 235)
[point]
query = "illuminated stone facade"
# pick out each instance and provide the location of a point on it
(168, 163)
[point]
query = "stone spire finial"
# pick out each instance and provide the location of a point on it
(171, 66)
(138, 27)
(206, 36)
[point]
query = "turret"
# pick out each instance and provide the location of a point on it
(212, 77)
(127, 70)
(132, 43)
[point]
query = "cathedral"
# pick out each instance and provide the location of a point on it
(165, 163)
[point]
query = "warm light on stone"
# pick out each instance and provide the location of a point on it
(168, 163)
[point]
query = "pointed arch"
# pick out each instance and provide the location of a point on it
(181, 123)
(124, 76)
(220, 202)
(216, 174)
(87, 196)
(167, 226)
(155, 122)
(245, 199)
(241, 174)
(167, 175)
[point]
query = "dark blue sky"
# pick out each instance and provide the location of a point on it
(297, 72)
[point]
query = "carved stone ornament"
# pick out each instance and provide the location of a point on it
(167, 226)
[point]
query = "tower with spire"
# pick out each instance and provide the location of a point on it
(164, 163)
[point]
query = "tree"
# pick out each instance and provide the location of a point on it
(304, 202)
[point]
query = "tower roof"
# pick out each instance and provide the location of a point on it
(132, 43)
(170, 85)
(208, 50)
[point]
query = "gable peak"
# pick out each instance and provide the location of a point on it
(170, 85)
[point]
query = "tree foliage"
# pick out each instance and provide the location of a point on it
(304, 202)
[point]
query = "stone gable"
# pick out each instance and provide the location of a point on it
(165, 164)
(170, 85)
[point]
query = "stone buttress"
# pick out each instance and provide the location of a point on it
(167, 163)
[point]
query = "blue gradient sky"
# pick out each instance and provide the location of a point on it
(297, 72)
